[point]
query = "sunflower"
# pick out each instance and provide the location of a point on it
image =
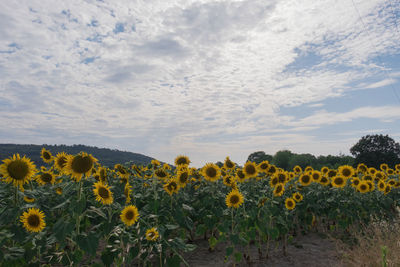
(397, 167)
(324, 181)
(297, 169)
(390, 171)
(263, 166)
(387, 189)
(391, 182)
(17, 170)
(103, 193)
(33, 220)
(371, 185)
(308, 169)
(372, 170)
(271, 169)
(324, 170)
(28, 199)
(129, 215)
(331, 173)
(211, 172)
(59, 190)
(250, 169)
(80, 165)
(46, 177)
(229, 180)
(363, 187)
(346, 171)
(279, 189)
(183, 178)
(240, 176)
(380, 175)
(381, 186)
(274, 181)
(355, 182)
(305, 179)
(234, 199)
(152, 234)
(161, 173)
(60, 161)
(46, 155)
(155, 163)
(297, 196)
(229, 164)
(102, 173)
(339, 181)
(171, 187)
(316, 176)
(283, 177)
(127, 192)
(362, 168)
(384, 167)
(290, 203)
(368, 177)
(182, 160)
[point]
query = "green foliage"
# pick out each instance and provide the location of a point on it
(106, 157)
(374, 150)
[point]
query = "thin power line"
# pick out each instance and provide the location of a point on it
(376, 51)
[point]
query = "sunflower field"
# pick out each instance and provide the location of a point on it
(76, 212)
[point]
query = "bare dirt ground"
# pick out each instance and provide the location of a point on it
(309, 250)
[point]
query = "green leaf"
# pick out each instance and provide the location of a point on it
(174, 261)
(61, 205)
(187, 207)
(200, 229)
(273, 233)
(88, 243)
(212, 241)
(107, 257)
(238, 256)
(171, 226)
(235, 239)
(229, 251)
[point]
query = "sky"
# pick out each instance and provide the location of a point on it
(205, 79)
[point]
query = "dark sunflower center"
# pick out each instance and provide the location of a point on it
(18, 169)
(272, 169)
(234, 199)
(172, 186)
(315, 176)
(181, 161)
(240, 174)
(282, 178)
(129, 214)
(356, 182)
(363, 187)
(151, 234)
(211, 172)
(62, 161)
(104, 193)
(46, 177)
(228, 180)
(161, 173)
(46, 155)
(250, 169)
(290, 203)
(81, 164)
(264, 166)
(346, 172)
(331, 173)
(297, 197)
(381, 185)
(339, 181)
(33, 220)
(279, 189)
(183, 177)
(229, 164)
(306, 179)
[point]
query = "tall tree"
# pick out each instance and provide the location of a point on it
(259, 156)
(376, 149)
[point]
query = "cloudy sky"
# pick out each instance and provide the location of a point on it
(207, 79)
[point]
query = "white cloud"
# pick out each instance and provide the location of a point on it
(159, 72)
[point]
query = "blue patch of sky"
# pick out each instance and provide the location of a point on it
(133, 28)
(97, 38)
(119, 27)
(94, 23)
(88, 60)
(304, 60)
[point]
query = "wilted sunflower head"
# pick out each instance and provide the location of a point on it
(129, 215)
(17, 170)
(46, 155)
(229, 164)
(234, 199)
(103, 193)
(211, 172)
(33, 220)
(182, 160)
(80, 165)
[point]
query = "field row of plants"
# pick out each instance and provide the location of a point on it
(76, 212)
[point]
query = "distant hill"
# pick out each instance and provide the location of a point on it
(106, 157)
